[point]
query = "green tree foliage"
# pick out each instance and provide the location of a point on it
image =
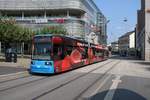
(10, 32)
(53, 30)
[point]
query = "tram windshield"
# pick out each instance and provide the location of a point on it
(42, 51)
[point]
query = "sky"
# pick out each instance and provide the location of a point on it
(116, 11)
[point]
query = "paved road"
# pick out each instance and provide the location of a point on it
(4, 70)
(114, 79)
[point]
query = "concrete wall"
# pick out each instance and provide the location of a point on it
(140, 31)
(147, 30)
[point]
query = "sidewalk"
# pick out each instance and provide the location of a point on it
(21, 62)
(7, 68)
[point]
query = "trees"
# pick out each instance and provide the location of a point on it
(11, 32)
(13, 35)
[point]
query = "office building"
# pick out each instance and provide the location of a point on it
(143, 31)
(77, 16)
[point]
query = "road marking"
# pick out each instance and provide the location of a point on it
(101, 85)
(111, 92)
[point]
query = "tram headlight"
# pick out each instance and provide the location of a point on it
(48, 63)
(32, 62)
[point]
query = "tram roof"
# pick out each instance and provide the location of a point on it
(61, 35)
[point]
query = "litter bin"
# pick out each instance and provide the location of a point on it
(11, 55)
(8, 55)
(14, 56)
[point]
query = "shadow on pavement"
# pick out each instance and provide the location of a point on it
(143, 63)
(120, 94)
(123, 58)
(146, 64)
(148, 69)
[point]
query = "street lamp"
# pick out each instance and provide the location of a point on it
(107, 21)
(125, 24)
(125, 19)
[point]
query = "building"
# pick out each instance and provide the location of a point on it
(132, 40)
(127, 44)
(115, 47)
(132, 44)
(123, 44)
(79, 17)
(143, 30)
(147, 30)
(140, 31)
(102, 24)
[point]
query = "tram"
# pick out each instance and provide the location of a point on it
(55, 54)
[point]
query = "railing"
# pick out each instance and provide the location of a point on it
(48, 18)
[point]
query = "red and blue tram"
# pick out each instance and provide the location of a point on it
(55, 53)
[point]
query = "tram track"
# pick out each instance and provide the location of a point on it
(76, 78)
(32, 81)
(47, 78)
(82, 92)
(14, 76)
(14, 79)
(15, 86)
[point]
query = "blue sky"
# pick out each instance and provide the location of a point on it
(116, 11)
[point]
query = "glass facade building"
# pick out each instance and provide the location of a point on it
(78, 15)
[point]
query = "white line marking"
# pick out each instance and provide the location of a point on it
(111, 92)
(100, 86)
(13, 74)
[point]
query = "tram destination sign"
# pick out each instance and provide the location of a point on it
(42, 39)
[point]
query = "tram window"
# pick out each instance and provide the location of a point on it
(99, 53)
(106, 53)
(94, 51)
(58, 52)
(68, 50)
(84, 54)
